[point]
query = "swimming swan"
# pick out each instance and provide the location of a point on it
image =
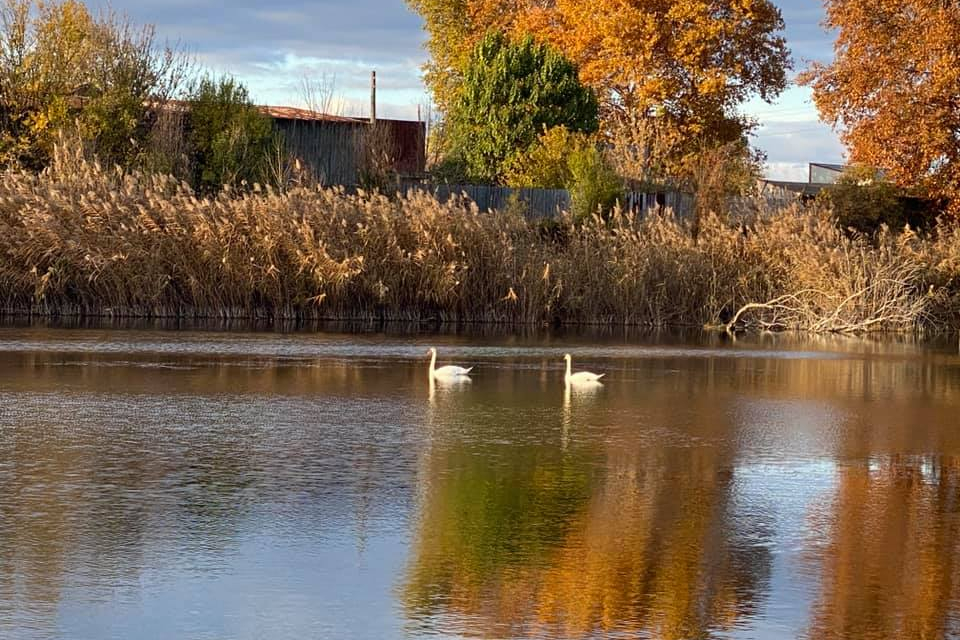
(445, 372)
(580, 377)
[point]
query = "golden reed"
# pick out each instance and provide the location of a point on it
(82, 240)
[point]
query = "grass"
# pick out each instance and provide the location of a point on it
(79, 240)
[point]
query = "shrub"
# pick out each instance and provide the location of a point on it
(561, 159)
(594, 186)
(862, 200)
(230, 140)
(546, 163)
(63, 69)
(717, 173)
(451, 169)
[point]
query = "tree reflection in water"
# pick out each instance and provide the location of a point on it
(535, 542)
(891, 567)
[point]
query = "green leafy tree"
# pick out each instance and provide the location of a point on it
(229, 138)
(511, 92)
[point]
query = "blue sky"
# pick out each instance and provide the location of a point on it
(273, 45)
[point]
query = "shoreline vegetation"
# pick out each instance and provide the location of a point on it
(84, 241)
(180, 229)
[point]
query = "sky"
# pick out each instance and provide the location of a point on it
(272, 45)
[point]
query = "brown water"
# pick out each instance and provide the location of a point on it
(227, 485)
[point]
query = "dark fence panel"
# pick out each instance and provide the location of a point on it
(682, 204)
(550, 203)
(334, 150)
(538, 203)
(328, 149)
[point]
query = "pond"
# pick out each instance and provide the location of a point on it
(199, 484)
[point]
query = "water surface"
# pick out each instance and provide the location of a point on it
(194, 484)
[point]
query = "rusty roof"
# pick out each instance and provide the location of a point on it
(277, 113)
(292, 113)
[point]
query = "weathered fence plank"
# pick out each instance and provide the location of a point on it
(549, 203)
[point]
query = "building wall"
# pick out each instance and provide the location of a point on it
(823, 175)
(409, 140)
(334, 150)
(328, 150)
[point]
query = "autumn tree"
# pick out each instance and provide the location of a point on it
(679, 68)
(512, 91)
(455, 27)
(687, 62)
(893, 89)
(63, 68)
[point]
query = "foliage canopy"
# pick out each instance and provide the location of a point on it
(899, 112)
(511, 92)
(62, 68)
(229, 138)
(684, 64)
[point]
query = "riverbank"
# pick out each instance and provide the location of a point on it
(82, 241)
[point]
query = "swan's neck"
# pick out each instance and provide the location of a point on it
(433, 361)
(568, 369)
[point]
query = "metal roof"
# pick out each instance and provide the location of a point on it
(293, 113)
(832, 167)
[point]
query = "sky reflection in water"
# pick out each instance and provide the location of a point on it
(203, 485)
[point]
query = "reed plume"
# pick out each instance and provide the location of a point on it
(80, 239)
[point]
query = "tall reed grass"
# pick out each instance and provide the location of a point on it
(82, 240)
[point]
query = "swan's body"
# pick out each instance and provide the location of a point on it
(448, 372)
(580, 377)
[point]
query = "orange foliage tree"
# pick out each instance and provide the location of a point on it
(893, 89)
(684, 64)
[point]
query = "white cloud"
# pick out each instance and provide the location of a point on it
(791, 171)
(270, 46)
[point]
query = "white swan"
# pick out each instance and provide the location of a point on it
(447, 372)
(580, 377)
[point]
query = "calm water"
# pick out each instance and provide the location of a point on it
(237, 485)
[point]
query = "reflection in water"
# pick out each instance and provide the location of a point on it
(890, 567)
(448, 384)
(644, 541)
(160, 485)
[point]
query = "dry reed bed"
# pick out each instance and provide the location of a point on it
(80, 240)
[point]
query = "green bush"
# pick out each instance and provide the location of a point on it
(229, 139)
(594, 185)
(563, 159)
(546, 163)
(863, 201)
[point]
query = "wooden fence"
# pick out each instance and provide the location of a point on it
(549, 203)
(536, 203)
